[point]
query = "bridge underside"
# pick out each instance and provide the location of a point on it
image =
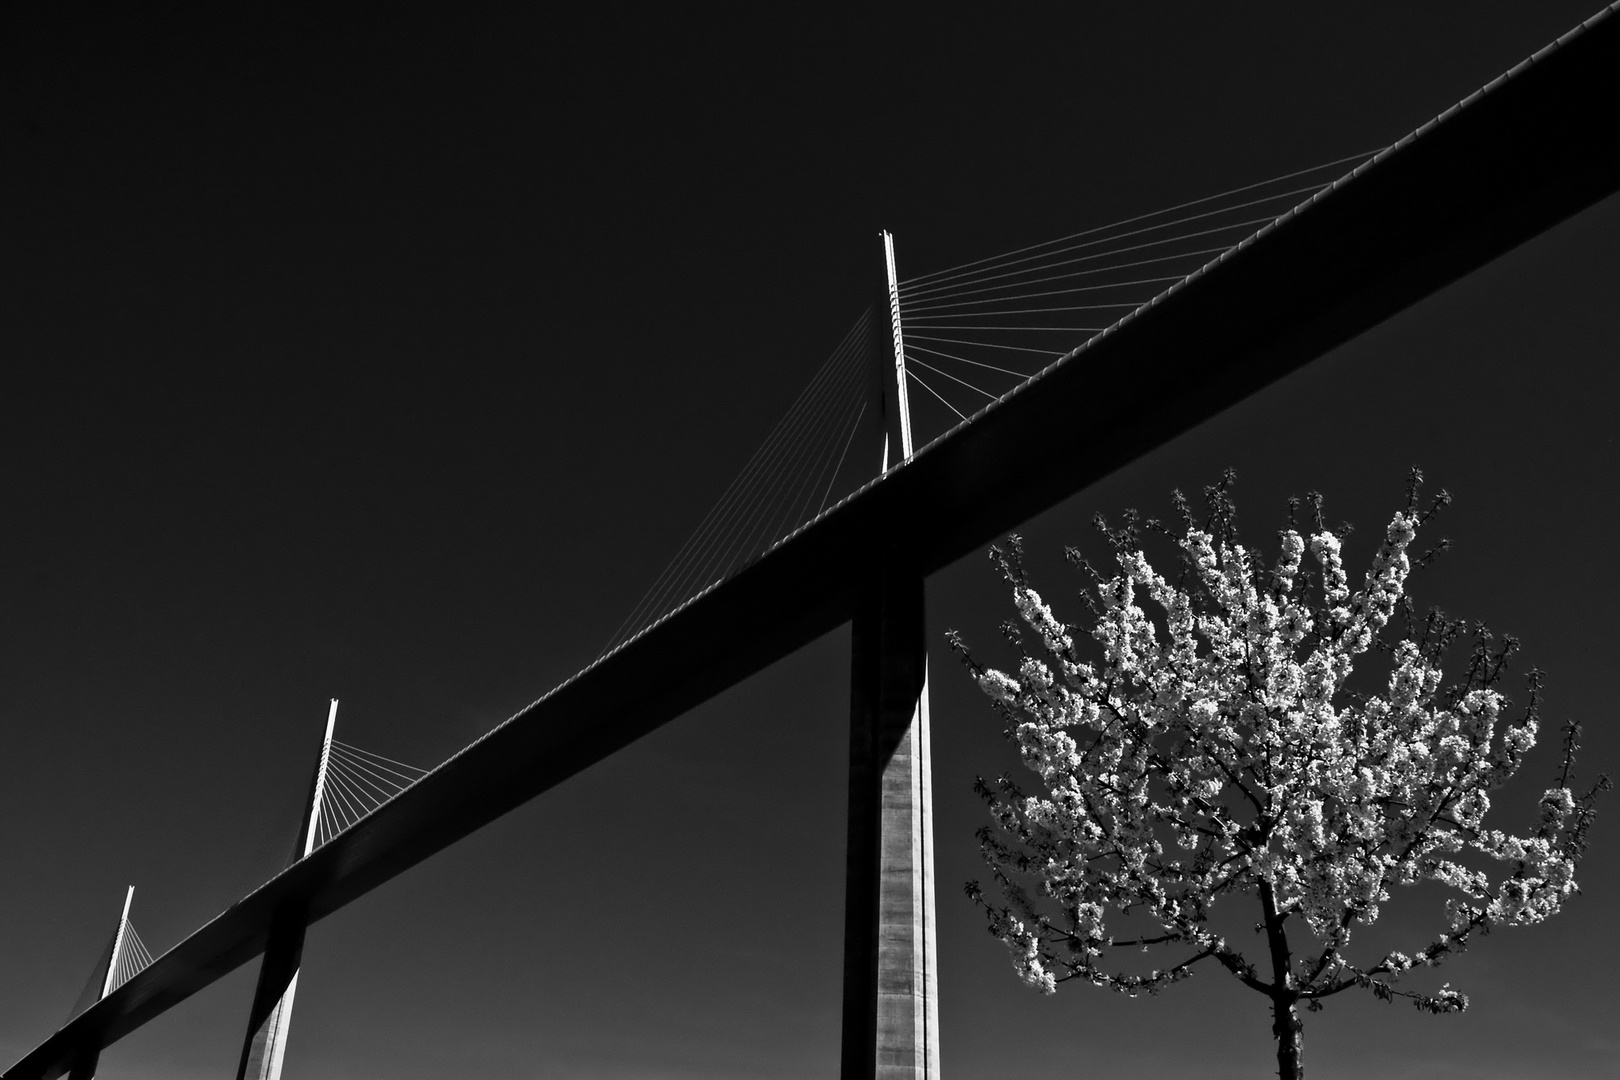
(1532, 149)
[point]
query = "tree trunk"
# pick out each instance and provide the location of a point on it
(1290, 1033)
(1285, 1022)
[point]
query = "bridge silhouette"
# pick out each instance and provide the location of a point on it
(1529, 150)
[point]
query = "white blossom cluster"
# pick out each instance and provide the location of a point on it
(1211, 749)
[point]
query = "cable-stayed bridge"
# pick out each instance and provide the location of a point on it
(124, 956)
(1526, 152)
(349, 783)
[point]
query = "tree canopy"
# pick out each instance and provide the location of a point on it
(1199, 740)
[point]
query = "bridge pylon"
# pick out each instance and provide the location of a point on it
(270, 1017)
(891, 992)
(105, 978)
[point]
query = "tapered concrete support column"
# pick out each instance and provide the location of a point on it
(891, 998)
(271, 1015)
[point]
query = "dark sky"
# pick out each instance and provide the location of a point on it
(389, 358)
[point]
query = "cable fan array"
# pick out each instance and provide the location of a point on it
(123, 957)
(130, 959)
(357, 782)
(974, 332)
(795, 474)
(971, 334)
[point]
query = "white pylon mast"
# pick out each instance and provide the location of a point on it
(891, 981)
(82, 1065)
(119, 939)
(320, 781)
(901, 400)
(266, 1049)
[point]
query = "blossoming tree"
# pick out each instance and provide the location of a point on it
(1208, 748)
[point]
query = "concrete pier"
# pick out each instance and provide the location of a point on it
(891, 999)
(270, 1017)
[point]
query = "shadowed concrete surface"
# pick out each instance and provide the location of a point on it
(891, 979)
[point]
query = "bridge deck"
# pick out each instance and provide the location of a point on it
(1528, 151)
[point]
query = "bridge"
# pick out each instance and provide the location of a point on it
(1507, 163)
